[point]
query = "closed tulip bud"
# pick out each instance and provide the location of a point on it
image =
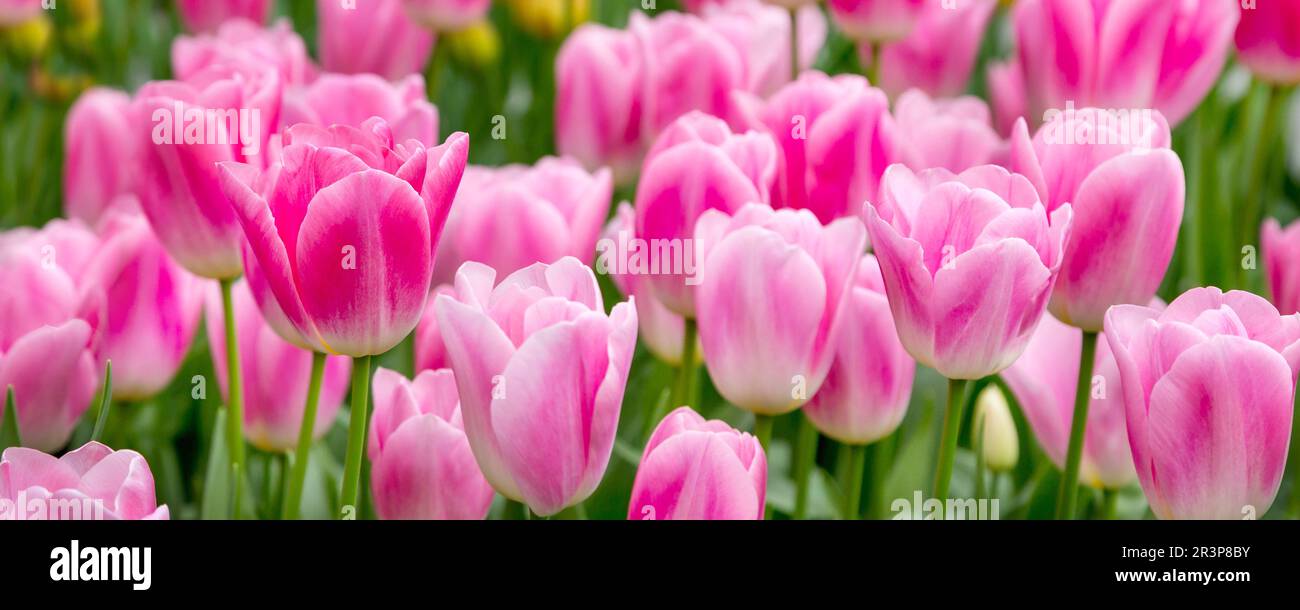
(599, 100)
(208, 15)
(347, 36)
(29, 39)
(540, 369)
(1281, 251)
(549, 18)
(1268, 41)
(694, 469)
(93, 482)
(421, 463)
(446, 15)
(243, 42)
(954, 134)
(99, 154)
(1208, 389)
(477, 45)
(773, 290)
(339, 99)
(876, 20)
(939, 55)
(997, 430)
(662, 331)
(688, 66)
(969, 262)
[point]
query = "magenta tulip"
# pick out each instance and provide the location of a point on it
(954, 134)
(540, 370)
(93, 482)
(866, 391)
(1117, 54)
(939, 55)
(1268, 40)
(662, 331)
(694, 469)
(248, 44)
(1127, 191)
(275, 375)
(1208, 386)
(446, 15)
(876, 20)
(336, 99)
(599, 100)
(761, 34)
(343, 229)
(347, 38)
(421, 463)
(99, 154)
(773, 290)
(688, 66)
(968, 261)
(208, 15)
(1281, 251)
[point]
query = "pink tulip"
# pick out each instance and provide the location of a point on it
(939, 54)
(1281, 251)
(599, 100)
(54, 376)
(688, 66)
(876, 20)
(348, 38)
(446, 15)
(541, 371)
(13, 12)
(1127, 191)
(99, 153)
(836, 137)
(761, 35)
(93, 482)
(694, 469)
(954, 134)
(343, 230)
(275, 375)
(1208, 390)
(249, 44)
(1006, 84)
(696, 165)
(1268, 41)
(336, 99)
(773, 291)
(208, 15)
(1122, 53)
(430, 352)
(1044, 380)
(517, 215)
(968, 261)
(153, 307)
(421, 463)
(866, 391)
(662, 331)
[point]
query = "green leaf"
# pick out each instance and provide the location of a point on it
(217, 490)
(9, 434)
(105, 402)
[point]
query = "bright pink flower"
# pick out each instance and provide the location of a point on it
(1268, 40)
(276, 375)
(1208, 390)
(836, 137)
(694, 469)
(688, 66)
(1127, 191)
(93, 482)
(208, 15)
(541, 371)
(53, 374)
(968, 261)
(1044, 381)
(337, 99)
(1006, 84)
(876, 20)
(1281, 251)
(430, 352)
(761, 34)
(954, 134)
(1122, 53)
(421, 463)
(446, 15)
(866, 391)
(696, 165)
(773, 289)
(348, 38)
(662, 331)
(18, 11)
(99, 154)
(599, 100)
(343, 229)
(939, 55)
(249, 44)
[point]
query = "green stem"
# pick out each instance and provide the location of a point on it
(805, 455)
(794, 44)
(1109, 498)
(763, 430)
(234, 395)
(948, 446)
(105, 403)
(1256, 188)
(437, 64)
(684, 391)
(854, 460)
(356, 434)
(873, 69)
(880, 463)
(293, 497)
(1069, 493)
(977, 443)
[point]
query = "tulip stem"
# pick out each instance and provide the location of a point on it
(804, 457)
(1109, 498)
(293, 498)
(873, 68)
(794, 44)
(684, 394)
(880, 463)
(951, 429)
(763, 430)
(1069, 493)
(1275, 99)
(356, 436)
(854, 460)
(234, 395)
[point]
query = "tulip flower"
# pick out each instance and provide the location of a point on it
(153, 307)
(13, 12)
(93, 482)
(1122, 53)
(836, 137)
(337, 99)
(246, 43)
(761, 34)
(954, 134)
(208, 15)
(688, 66)
(694, 469)
(1208, 388)
(275, 375)
(999, 445)
(1268, 41)
(446, 15)
(696, 165)
(1281, 250)
(662, 331)
(1006, 86)
(599, 100)
(939, 55)
(421, 463)
(876, 21)
(540, 369)
(1043, 381)
(347, 34)
(99, 153)
(1127, 191)
(430, 352)
(549, 19)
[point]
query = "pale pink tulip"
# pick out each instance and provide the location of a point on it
(1268, 40)
(1281, 252)
(337, 99)
(662, 331)
(249, 44)
(208, 15)
(430, 352)
(939, 55)
(93, 482)
(761, 34)
(599, 100)
(1006, 84)
(876, 20)
(688, 66)
(954, 134)
(13, 12)
(446, 15)
(99, 162)
(373, 36)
